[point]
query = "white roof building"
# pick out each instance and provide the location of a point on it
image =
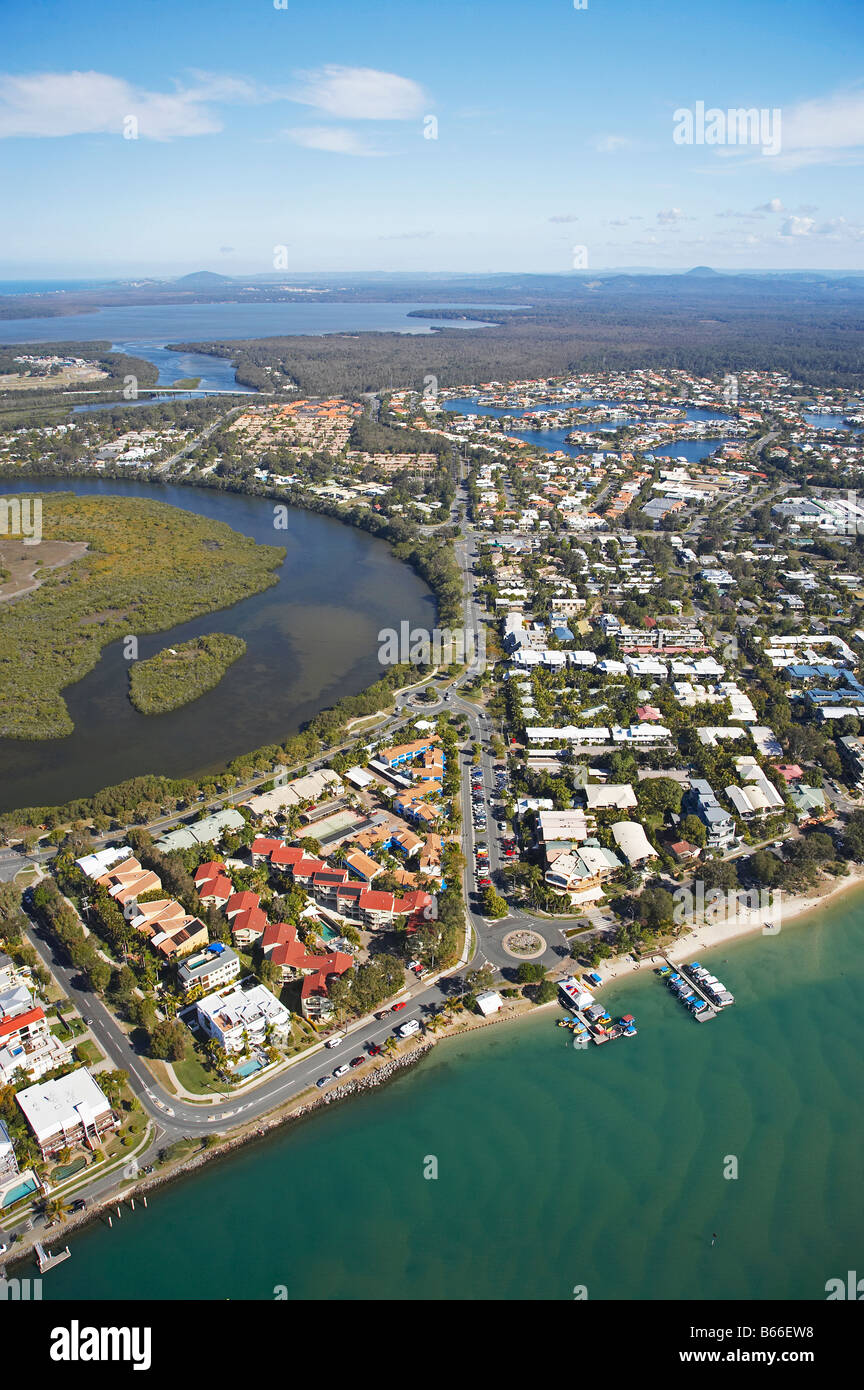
(95, 865)
(758, 796)
(236, 1015)
(633, 842)
(615, 797)
(313, 787)
(489, 1002)
(64, 1107)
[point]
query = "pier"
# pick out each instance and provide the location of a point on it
(704, 1014)
(46, 1260)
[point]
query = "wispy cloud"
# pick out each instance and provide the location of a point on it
(360, 94)
(334, 139)
(611, 144)
(54, 104)
(51, 104)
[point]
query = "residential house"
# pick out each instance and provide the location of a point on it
(242, 1015)
(209, 969)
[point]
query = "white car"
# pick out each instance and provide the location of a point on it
(405, 1030)
(335, 1042)
(340, 1071)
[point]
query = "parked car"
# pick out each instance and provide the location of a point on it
(340, 1071)
(405, 1030)
(372, 1048)
(357, 1061)
(403, 1004)
(322, 1081)
(80, 1204)
(335, 1042)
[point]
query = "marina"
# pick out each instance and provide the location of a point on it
(590, 1021)
(697, 989)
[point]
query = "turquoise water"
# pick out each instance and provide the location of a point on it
(248, 1067)
(22, 1190)
(556, 1167)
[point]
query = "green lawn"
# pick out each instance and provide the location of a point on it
(194, 1076)
(88, 1053)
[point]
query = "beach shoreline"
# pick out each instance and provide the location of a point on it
(743, 923)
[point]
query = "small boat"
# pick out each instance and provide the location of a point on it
(663, 971)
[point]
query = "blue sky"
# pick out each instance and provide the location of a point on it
(307, 128)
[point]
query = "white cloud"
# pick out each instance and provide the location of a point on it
(335, 139)
(669, 216)
(826, 123)
(361, 94)
(773, 205)
(610, 144)
(88, 103)
(797, 226)
(565, 217)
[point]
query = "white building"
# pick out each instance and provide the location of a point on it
(238, 1017)
(489, 1002)
(70, 1110)
(633, 842)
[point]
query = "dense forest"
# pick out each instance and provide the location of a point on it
(812, 329)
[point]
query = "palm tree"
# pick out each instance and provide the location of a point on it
(390, 1046)
(55, 1209)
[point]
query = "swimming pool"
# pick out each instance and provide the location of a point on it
(248, 1067)
(23, 1189)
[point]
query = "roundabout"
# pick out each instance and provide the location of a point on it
(524, 944)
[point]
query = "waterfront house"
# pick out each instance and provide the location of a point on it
(69, 1110)
(243, 1015)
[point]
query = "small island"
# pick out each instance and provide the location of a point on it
(178, 675)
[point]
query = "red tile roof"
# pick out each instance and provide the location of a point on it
(241, 902)
(14, 1025)
(252, 919)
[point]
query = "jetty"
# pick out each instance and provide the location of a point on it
(46, 1260)
(699, 991)
(589, 1019)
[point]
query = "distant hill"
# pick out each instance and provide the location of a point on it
(702, 270)
(204, 280)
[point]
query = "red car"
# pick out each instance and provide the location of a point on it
(397, 1007)
(484, 883)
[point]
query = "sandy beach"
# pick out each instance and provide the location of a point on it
(742, 922)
